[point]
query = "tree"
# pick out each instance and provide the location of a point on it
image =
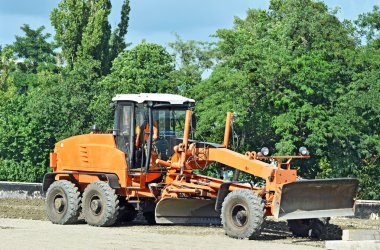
(295, 75)
(6, 66)
(369, 26)
(144, 69)
(42, 103)
(69, 21)
(357, 142)
(23, 153)
(280, 78)
(83, 30)
(33, 53)
(33, 48)
(117, 42)
(193, 58)
(96, 33)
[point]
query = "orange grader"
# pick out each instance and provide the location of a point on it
(148, 164)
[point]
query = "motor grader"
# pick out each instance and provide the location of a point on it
(149, 164)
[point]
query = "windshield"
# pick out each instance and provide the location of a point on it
(170, 124)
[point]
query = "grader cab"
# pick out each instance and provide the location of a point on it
(148, 164)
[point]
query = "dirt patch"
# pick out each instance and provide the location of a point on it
(32, 209)
(351, 223)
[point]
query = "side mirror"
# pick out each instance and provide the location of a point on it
(94, 129)
(112, 105)
(193, 121)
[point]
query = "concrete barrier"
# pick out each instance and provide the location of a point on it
(20, 190)
(361, 234)
(365, 209)
(353, 245)
(356, 239)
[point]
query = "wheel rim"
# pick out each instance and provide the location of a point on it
(239, 215)
(95, 205)
(59, 204)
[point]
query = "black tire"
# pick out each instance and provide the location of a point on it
(242, 214)
(313, 228)
(63, 202)
(333, 232)
(299, 228)
(150, 218)
(127, 211)
(100, 204)
(130, 213)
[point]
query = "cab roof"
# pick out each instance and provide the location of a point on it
(154, 97)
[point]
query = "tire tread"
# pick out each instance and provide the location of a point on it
(111, 207)
(73, 202)
(256, 206)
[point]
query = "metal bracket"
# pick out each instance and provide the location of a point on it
(222, 193)
(112, 180)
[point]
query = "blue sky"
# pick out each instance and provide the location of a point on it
(156, 20)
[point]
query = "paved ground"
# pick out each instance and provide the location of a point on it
(23, 225)
(30, 234)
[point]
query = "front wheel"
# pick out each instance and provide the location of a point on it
(100, 204)
(63, 202)
(242, 214)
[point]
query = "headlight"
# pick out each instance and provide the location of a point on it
(264, 151)
(303, 151)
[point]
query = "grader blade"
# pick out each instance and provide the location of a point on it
(187, 211)
(317, 198)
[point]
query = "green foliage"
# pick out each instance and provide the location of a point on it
(34, 48)
(21, 141)
(21, 171)
(193, 58)
(83, 31)
(369, 24)
(96, 33)
(356, 123)
(24, 147)
(117, 42)
(42, 102)
(6, 66)
(41, 105)
(69, 21)
(293, 75)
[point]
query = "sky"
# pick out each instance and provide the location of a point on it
(156, 20)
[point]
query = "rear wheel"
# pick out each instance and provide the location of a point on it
(100, 204)
(63, 202)
(242, 214)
